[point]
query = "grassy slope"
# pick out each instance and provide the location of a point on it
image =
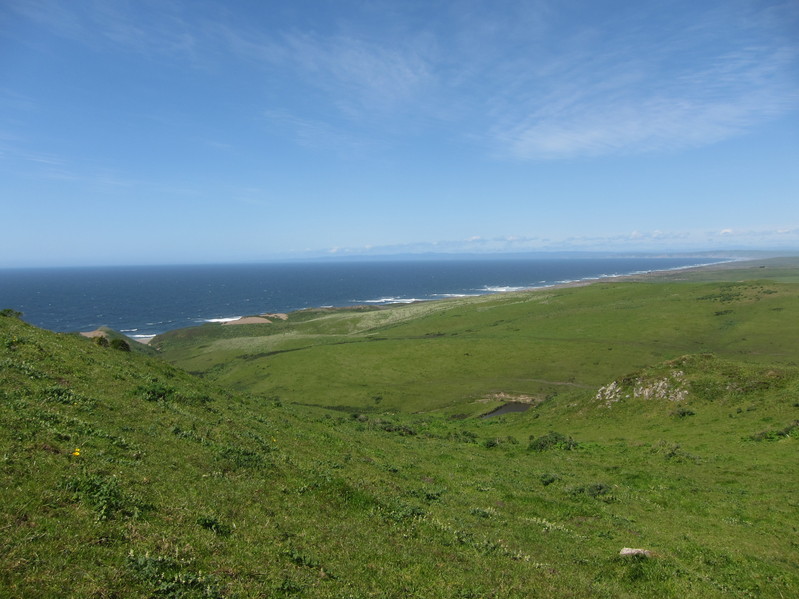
(182, 489)
(446, 355)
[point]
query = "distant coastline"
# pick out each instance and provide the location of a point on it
(635, 276)
(142, 302)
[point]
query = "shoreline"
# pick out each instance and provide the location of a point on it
(379, 304)
(636, 276)
(669, 274)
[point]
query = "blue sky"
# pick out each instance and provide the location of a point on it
(177, 131)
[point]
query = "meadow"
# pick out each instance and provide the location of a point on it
(345, 453)
(452, 354)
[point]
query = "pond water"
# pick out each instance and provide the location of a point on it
(508, 408)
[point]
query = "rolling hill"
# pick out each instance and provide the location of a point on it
(343, 453)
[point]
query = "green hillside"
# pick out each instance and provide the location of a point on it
(450, 354)
(664, 417)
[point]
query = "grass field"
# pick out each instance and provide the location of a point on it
(340, 453)
(447, 354)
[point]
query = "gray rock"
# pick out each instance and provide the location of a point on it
(632, 551)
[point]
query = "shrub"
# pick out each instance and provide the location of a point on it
(119, 344)
(60, 394)
(551, 440)
(547, 479)
(392, 427)
(104, 495)
(683, 412)
(172, 578)
(774, 434)
(595, 491)
(155, 391)
(237, 457)
(510, 440)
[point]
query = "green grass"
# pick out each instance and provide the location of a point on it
(658, 425)
(449, 354)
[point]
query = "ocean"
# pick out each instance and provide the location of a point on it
(142, 301)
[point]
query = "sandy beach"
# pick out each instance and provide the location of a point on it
(93, 334)
(262, 319)
(248, 320)
(101, 333)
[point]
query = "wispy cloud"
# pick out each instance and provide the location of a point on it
(519, 78)
(533, 90)
(320, 135)
(11, 100)
(363, 75)
(155, 29)
(360, 78)
(16, 153)
(87, 174)
(14, 149)
(616, 91)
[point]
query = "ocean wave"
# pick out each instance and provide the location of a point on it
(450, 295)
(501, 288)
(228, 319)
(394, 300)
(128, 331)
(150, 336)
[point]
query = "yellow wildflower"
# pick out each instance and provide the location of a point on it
(76, 452)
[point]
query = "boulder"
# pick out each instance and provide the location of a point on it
(633, 551)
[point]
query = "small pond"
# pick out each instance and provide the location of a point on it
(508, 408)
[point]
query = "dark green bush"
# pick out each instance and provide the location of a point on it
(547, 479)
(595, 491)
(155, 391)
(551, 440)
(683, 412)
(119, 344)
(393, 427)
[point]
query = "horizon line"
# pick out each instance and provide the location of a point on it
(731, 254)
